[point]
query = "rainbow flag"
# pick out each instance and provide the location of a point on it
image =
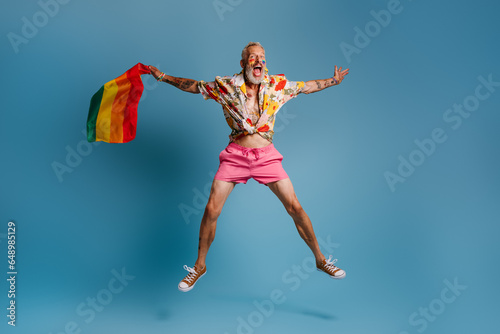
(113, 109)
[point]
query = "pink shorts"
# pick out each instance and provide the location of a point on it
(238, 164)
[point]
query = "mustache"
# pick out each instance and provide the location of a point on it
(259, 64)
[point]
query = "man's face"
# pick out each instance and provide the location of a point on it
(255, 64)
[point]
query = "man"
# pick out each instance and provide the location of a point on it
(250, 101)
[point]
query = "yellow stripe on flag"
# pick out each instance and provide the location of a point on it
(103, 123)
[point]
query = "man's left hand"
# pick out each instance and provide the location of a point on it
(339, 74)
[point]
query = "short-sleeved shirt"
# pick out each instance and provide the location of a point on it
(230, 92)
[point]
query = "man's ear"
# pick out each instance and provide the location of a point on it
(241, 64)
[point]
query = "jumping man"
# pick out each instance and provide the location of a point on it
(250, 101)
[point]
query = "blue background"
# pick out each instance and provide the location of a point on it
(118, 208)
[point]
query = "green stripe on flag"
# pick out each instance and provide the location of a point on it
(95, 104)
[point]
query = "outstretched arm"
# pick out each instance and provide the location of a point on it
(186, 85)
(313, 86)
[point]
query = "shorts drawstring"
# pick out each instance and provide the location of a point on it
(246, 150)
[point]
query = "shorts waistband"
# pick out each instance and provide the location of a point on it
(243, 149)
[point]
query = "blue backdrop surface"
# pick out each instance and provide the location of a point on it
(397, 168)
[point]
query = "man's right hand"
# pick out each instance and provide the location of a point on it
(154, 71)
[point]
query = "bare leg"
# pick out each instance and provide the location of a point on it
(284, 190)
(218, 194)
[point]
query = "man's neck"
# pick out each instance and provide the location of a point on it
(252, 86)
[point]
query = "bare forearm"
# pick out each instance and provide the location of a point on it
(314, 86)
(187, 85)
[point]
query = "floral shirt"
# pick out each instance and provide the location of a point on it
(230, 92)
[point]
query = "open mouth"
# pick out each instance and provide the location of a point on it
(257, 71)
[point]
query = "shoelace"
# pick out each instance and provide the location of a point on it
(330, 263)
(192, 274)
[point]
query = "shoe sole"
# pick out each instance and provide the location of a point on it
(334, 277)
(192, 286)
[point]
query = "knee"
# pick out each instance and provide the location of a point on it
(294, 208)
(212, 211)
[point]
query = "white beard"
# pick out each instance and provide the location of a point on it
(249, 75)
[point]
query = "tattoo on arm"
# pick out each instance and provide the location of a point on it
(187, 83)
(180, 83)
(173, 83)
(320, 85)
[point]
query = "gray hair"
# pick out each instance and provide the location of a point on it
(244, 52)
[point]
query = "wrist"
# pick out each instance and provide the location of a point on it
(160, 77)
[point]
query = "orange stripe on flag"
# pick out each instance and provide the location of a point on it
(119, 103)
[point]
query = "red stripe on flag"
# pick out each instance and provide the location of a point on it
(134, 95)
